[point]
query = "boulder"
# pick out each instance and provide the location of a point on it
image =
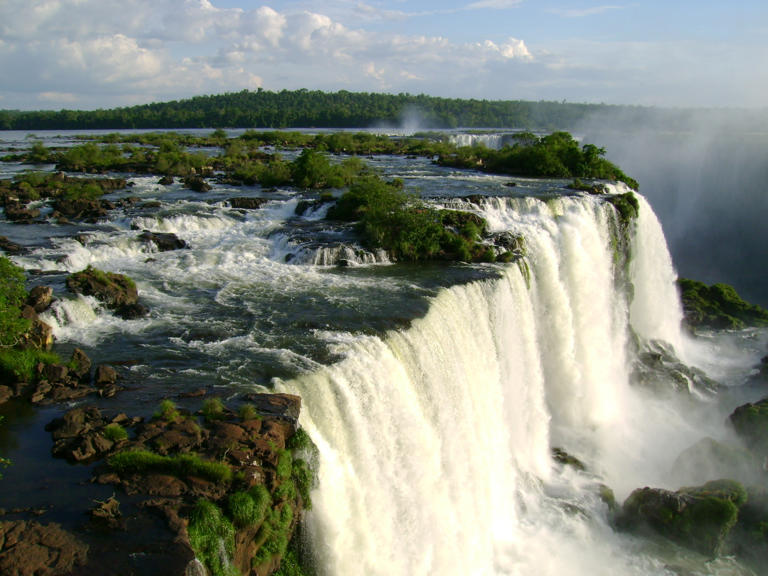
(10, 247)
(40, 298)
(247, 203)
(117, 291)
(104, 376)
(698, 517)
(166, 180)
(197, 184)
(164, 241)
(20, 214)
(80, 365)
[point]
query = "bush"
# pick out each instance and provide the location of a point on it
(19, 364)
(248, 412)
(213, 409)
(115, 432)
(284, 464)
(167, 411)
(248, 508)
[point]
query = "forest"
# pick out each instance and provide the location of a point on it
(309, 109)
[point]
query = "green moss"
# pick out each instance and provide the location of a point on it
(303, 479)
(245, 510)
(627, 207)
(284, 464)
(115, 432)
(181, 465)
(212, 537)
(299, 441)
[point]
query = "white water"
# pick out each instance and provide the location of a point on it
(435, 441)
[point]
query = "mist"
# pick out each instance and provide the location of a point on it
(706, 175)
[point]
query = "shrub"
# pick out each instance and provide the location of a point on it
(115, 432)
(213, 409)
(284, 464)
(247, 510)
(248, 412)
(299, 441)
(167, 411)
(19, 364)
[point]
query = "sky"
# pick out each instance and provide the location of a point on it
(87, 54)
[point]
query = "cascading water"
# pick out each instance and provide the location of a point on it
(435, 441)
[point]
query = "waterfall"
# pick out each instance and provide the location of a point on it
(435, 441)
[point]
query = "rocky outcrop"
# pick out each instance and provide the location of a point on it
(165, 241)
(243, 203)
(221, 486)
(9, 246)
(196, 184)
(34, 549)
(117, 291)
(698, 517)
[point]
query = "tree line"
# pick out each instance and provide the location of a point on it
(308, 109)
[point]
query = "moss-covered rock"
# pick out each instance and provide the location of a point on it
(699, 517)
(117, 291)
(751, 423)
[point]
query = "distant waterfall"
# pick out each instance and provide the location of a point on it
(435, 441)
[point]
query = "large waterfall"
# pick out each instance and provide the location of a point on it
(435, 441)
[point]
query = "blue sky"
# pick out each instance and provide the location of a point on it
(104, 53)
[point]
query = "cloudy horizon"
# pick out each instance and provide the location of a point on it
(87, 54)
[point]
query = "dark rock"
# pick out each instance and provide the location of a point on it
(163, 241)
(40, 298)
(117, 291)
(104, 376)
(278, 406)
(10, 247)
(31, 548)
(81, 208)
(247, 203)
(56, 373)
(107, 513)
(40, 334)
(197, 184)
(698, 517)
(80, 365)
(6, 393)
(166, 180)
(561, 456)
(20, 214)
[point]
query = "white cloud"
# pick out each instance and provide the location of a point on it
(493, 4)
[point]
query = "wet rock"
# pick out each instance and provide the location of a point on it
(81, 208)
(107, 514)
(10, 247)
(80, 365)
(20, 214)
(699, 517)
(117, 291)
(247, 203)
(164, 241)
(104, 376)
(751, 423)
(196, 184)
(34, 549)
(165, 180)
(278, 406)
(40, 298)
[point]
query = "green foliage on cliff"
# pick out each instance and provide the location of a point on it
(718, 306)
(557, 155)
(181, 465)
(212, 537)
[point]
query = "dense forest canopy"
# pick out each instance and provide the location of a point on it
(316, 109)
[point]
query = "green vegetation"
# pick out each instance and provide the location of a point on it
(718, 306)
(390, 218)
(274, 534)
(299, 441)
(249, 508)
(626, 206)
(556, 155)
(305, 108)
(115, 432)
(12, 297)
(181, 465)
(213, 409)
(751, 423)
(167, 411)
(284, 462)
(212, 537)
(248, 412)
